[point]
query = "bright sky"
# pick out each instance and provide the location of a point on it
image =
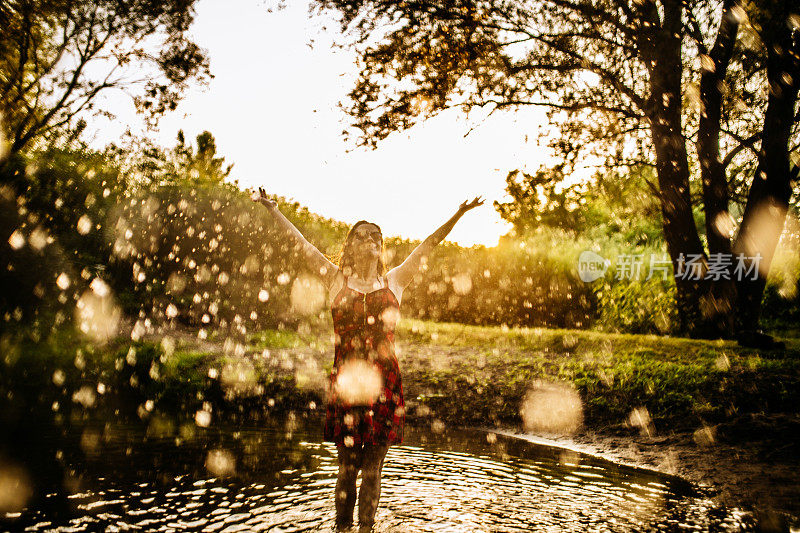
(272, 108)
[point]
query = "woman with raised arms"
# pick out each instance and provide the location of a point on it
(365, 410)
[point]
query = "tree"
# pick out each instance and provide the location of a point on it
(57, 57)
(203, 166)
(637, 82)
(152, 165)
(607, 203)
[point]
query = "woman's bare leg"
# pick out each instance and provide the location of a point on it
(370, 492)
(349, 462)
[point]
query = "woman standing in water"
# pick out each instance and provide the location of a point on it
(365, 411)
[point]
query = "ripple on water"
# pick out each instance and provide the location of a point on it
(454, 481)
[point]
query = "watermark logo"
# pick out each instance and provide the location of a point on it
(714, 267)
(591, 266)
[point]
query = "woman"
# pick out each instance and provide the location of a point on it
(365, 410)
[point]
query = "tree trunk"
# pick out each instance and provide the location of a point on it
(663, 56)
(769, 195)
(718, 221)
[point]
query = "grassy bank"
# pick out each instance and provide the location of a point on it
(456, 374)
(476, 375)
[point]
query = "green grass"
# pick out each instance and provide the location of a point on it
(273, 338)
(474, 375)
(460, 374)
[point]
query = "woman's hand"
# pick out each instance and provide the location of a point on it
(466, 205)
(404, 272)
(261, 197)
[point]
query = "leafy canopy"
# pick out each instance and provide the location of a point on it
(57, 56)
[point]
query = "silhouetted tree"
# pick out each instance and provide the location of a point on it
(57, 56)
(638, 82)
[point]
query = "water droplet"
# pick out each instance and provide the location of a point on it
(16, 240)
(552, 408)
(15, 488)
(358, 382)
(640, 418)
(462, 283)
(308, 295)
(38, 239)
(100, 287)
(63, 281)
(722, 362)
(84, 225)
(220, 462)
(84, 396)
(202, 418)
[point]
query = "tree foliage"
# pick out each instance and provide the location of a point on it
(606, 203)
(57, 56)
(149, 164)
(596, 66)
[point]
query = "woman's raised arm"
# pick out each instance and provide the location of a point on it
(403, 273)
(315, 259)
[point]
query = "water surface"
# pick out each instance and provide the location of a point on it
(280, 477)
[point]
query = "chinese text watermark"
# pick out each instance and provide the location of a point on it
(714, 267)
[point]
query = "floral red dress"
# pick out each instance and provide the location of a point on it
(365, 406)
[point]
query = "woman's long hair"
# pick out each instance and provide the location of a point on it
(347, 257)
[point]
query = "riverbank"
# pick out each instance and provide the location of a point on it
(756, 473)
(709, 411)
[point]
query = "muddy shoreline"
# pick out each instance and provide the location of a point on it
(751, 464)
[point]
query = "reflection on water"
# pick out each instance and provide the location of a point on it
(280, 477)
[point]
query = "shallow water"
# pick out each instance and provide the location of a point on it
(280, 477)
